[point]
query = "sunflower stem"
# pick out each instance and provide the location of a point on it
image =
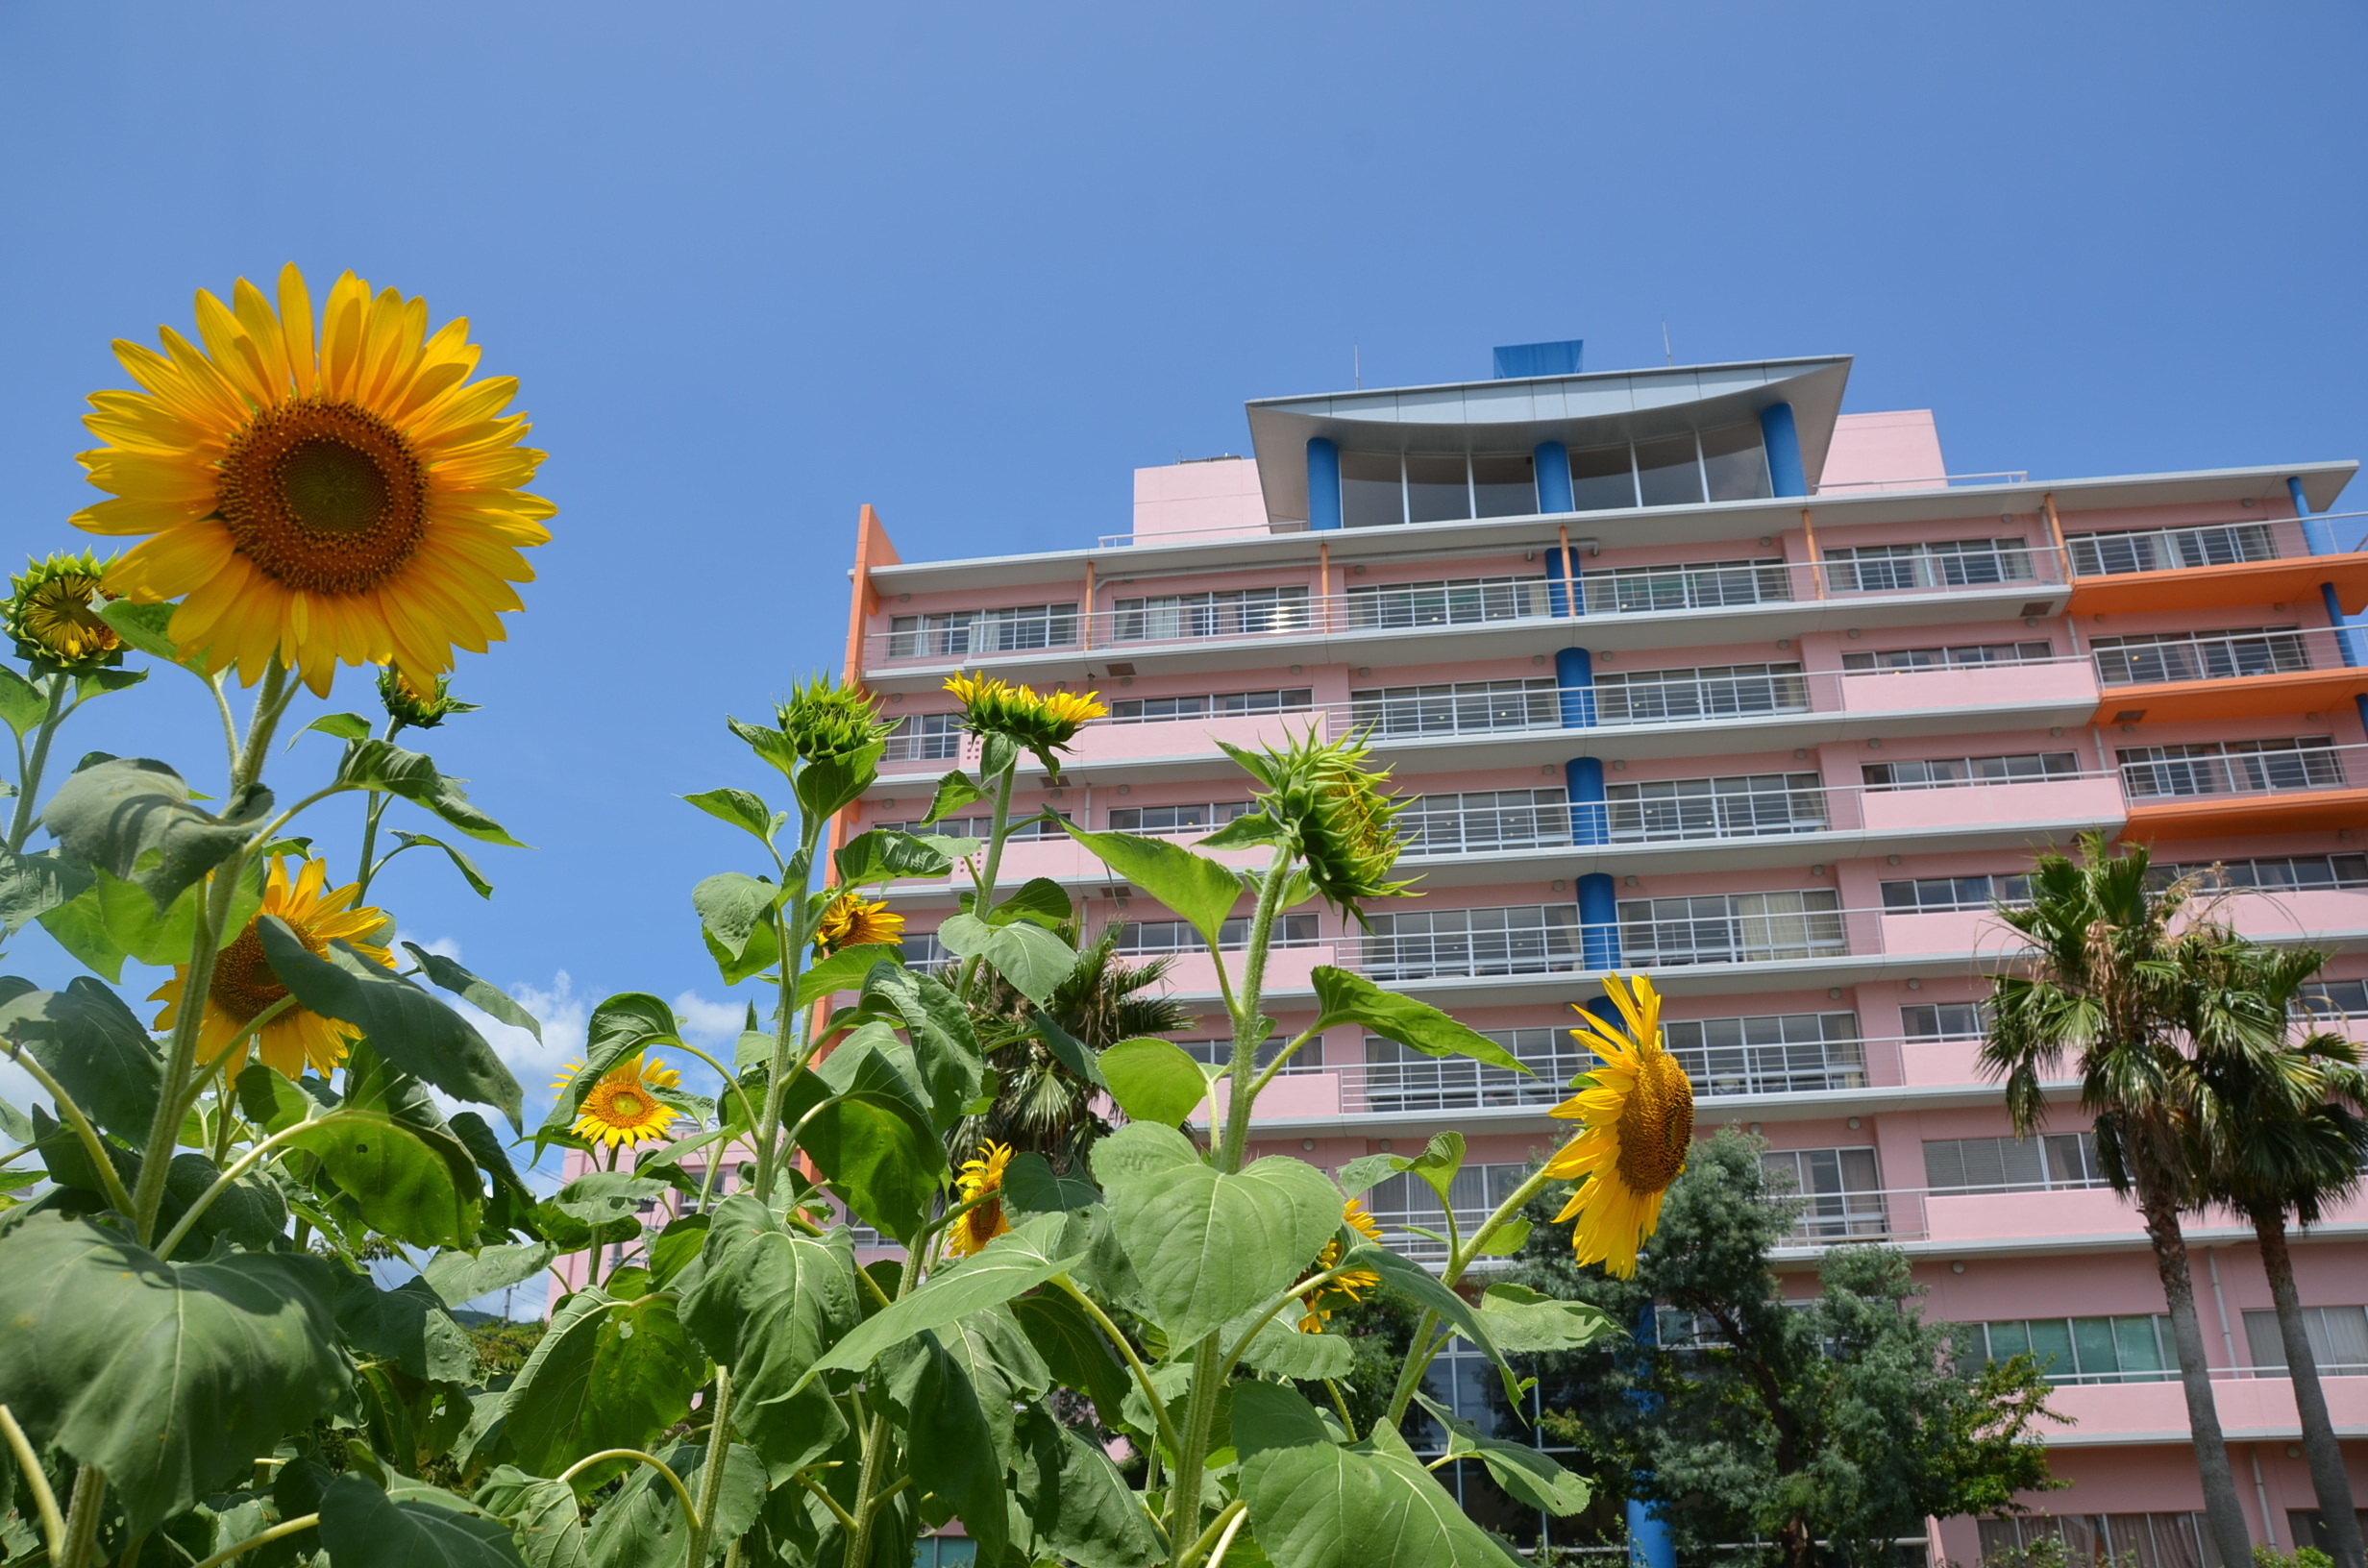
(992, 866)
(94, 1147)
(1245, 1082)
(29, 773)
(791, 933)
(711, 1478)
(221, 1184)
(81, 1517)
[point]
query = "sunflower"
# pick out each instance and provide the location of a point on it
(52, 614)
(620, 1108)
(1345, 1291)
(853, 921)
(825, 719)
(981, 1178)
(1322, 800)
(347, 498)
(244, 984)
(1639, 1111)
(1043, 721)
(421, 706)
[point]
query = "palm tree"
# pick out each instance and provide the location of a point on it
(1040, 1103)
(2278, 1136)
(2104, 981)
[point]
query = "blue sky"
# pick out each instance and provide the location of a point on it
(757, 265)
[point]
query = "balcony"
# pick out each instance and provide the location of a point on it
(2182, 676)
(2210, 788)
(2200, 567)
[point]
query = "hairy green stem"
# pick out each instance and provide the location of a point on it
(1192, 1455)
(711, 1478)
(286, 1526)
(791, 934)
(1246, 1015)
(28, 776)
(94, 1147)
(683, 1493)
(984, 884)
(45, 1500)
(1126, 1351)
(81, 1516)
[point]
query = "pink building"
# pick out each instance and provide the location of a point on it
(1696, 674)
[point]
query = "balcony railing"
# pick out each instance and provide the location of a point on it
(2106, 554)
(2153, 773)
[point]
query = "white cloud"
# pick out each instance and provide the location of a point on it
(710, 1024)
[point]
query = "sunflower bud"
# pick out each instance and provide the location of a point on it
(1042, 722)
(1329, 808)
(851, 920)
(827, 719)
(410, 707)
(53, 615)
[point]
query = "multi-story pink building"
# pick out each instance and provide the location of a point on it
(1695, 674)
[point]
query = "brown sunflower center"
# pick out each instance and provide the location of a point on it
(1656, 1126)
(323, 495)
(243, 984)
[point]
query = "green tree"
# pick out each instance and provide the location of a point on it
(1840, 1418)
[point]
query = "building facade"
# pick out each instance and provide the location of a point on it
(1695, 674)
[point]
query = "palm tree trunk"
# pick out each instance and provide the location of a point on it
(2328, 1477)
(2223, 1514)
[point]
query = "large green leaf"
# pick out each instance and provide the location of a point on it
(481, 994)
(1076, 1505)
(408, 1326)
(944, 1044)
(170, 1378)
(1153, 1080)
(1032, 1187)
(598, 1196)
(1411, 1279)
(1013, 1262)
(1200, 890)
(1342, 997)
(134, 817)
(642, 1526)
(544, 1517)
(365, 1528)
(1075, 1349)
(735, 912)
(1208, 1247)
(826, 784)
(414, 1183)
(879, 1158)
(605, 1374)
(382, 765)
(1315, 1505)
(31, 886)
(1520, 1469)
(1525, 1321)
(1039, 899)
(96, 1049)
(1281, 1347)
(458, 1277)
(844, 970)
(1034, 960)
(407, 1026)
(740, 808)
(467, 867)
(768, 1301)
(883, 855)
(954, 1388)
(22, 705)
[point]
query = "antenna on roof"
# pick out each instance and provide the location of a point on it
(1666, 357)
(1356, 365)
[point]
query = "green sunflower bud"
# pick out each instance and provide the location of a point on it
(1331, 809)
(827, 719)
(410, 707)
(53, 615)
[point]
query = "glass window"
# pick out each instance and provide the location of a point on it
(1732, 461)
(1945, 1020)
(1602, 478)
(1369, 493)
(1438, 489)
(1503, 484)
(1669, 471)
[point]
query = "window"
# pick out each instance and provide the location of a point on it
(2345, 999)
(1227, 612)
(1458, 707)
(1730, 928)
(1225, 705)
(1154, 821)
(2139, 1540)
(1682, 470)
(2160, 550)
(1935, 658)
(1438, 825)
(2134, 1349)
(1840, 1191)
(1038, 826)
(1602, 478)
(1626, 590)
(1955, 563)
(1735, 464)
(1504, 485)
(925, 737)
(1179, 937)
(1528, 938)
(1778, 1053)
(1948, 772)
(1669, 471)
(2182, 655)
(1718, 691)
(1400, 1078)
(1453, 602)
(1732, 806)
(1218, 1052)
(2273, 873)
(2012, 1164)
(1944, 1021)
(2232, 767)
(1380, 489)
(1933, 895)
(923, 951)
(2337, 1336)
(957, 633)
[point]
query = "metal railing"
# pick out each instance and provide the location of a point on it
(1418, 1084)
(2162, 658)
(2233, 768)
(2119, 551)
(1932, 482)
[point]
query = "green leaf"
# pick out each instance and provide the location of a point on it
(416, 1184)
(1075, 1502)
(1411, 1279)
(409, 1028)
(411, 776)
(882, 1159)
(677, 1247)
(22, 706)
(1506, 1240)
(544, 1518)
(605, 1374)
(1268, 1415)
(484, 996)
(1018, 1260)
(1070, 1052)
(623, 1025)
(132, 816)
(953, 1390)
(31, 886)
(599, 1196)
(1278, 1347)
(1439, 1161)
(1200, 890)
(93, 683)
(1342, 997)
(884, 855)
(1032, 1187)
(146, 627)
(827, 784)
(1040, 899)
(843, 971)
(251, 1210)
(741, 809)
(1528, 1475)
(80, 926)
(1525, 1321)
(1245, 831)
(1208, 1246)
(15, 1123)
(408, 1326)
(954, 790)
(1153, 1080)
(768, 1301)
(643, 1527)
(1314, 1505)
(1360, 1174)
(467, 867)
(736, 919)
(1074, 1350)
(945, 1050)
(458, 1277)
(345, 726)
(170, 1378)
(365, 1528)
(1034, 960)
(96, 1049)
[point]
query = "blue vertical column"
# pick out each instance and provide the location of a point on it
(1783, 440)
(1574, 673)
(1324, 483)
(1563, 596)
(1583, 778)
(1552, 464)
(1598, 922)
(2319, 541)
(1650, 1544)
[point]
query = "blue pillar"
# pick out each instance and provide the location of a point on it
(1558, 592)
(1783, 440)
(2311, 540)
(1583, 778)
(1551, 462)
(1324, 483)
(1598, 922)
(1650, 1544)
(1574, 672)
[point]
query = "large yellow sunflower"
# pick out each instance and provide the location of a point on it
(1639, 1111)
(351, 497)
(853, 921)
(1346, 1290)
(245, 986)
(621, 1109)
(981, 1178)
